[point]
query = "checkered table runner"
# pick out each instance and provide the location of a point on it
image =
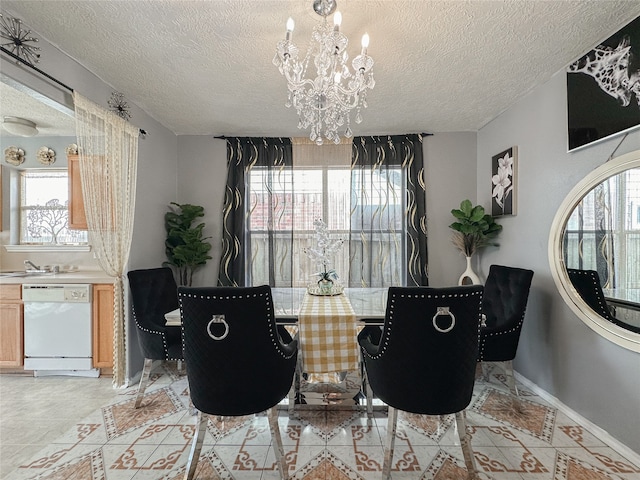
(328, 334)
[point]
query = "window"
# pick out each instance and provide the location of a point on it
(369, 191)
(603, 230)
(44, 199)
(283, 205)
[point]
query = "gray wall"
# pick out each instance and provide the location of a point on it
(450, 178)
(558, 352)
(202, 176)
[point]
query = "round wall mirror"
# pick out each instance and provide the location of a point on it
(594, 250)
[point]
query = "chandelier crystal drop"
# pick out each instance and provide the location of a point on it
(324, 103)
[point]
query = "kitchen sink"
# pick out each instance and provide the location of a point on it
(30, 273)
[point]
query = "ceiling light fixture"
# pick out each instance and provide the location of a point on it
(19, 126)
(324, 103)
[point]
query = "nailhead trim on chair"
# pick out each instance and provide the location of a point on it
(240, 297)
(155, 332)
(601, 302)
(495, 334)
(515, 329)
(389, 323)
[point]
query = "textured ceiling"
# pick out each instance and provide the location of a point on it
(204, 67)
(50, 121)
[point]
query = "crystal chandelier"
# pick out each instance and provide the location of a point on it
(324, 103)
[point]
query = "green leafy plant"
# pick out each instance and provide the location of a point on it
(473, 228)
(185, 246)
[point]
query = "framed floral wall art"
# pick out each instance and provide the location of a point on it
(503, 182)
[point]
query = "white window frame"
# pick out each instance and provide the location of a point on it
(303, 269)
(23, 209)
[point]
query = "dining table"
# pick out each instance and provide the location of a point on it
(326, 327)
(369, 305)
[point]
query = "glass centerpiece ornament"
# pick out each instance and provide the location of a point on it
(326, 248)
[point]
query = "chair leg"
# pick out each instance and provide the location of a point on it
(392, 422)
(146, 371)
(295, 388)
(465, 443)
(278, 449)
(196, 446)
(511, 379)
(366, 388)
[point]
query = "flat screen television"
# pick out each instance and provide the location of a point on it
(603, 89)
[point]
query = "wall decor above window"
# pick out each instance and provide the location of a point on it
(14, 156)
(603, 89)
(46, 156)
(19, 40)
(72, 149)
(119, 105)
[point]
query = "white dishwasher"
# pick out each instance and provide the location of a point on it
(57, 329)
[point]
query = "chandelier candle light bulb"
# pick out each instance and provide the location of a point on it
(290, 25)
(365, 44)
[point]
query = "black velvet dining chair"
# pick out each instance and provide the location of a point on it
(587, 284)
(238, 361)
(423, 360)
(504, 303)
(153, 293)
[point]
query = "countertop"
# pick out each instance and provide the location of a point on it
(76, 276)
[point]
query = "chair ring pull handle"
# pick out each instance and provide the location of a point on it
(444, 311)
(218, 319)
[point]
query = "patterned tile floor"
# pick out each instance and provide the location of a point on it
(112, 441)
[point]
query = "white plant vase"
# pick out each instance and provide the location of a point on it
(469, 277)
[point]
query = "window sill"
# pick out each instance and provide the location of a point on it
(47, 248)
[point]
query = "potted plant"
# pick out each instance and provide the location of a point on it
(473, 229)
(185, 246)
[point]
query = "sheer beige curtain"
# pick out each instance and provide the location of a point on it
(322, 186)
(108, 150)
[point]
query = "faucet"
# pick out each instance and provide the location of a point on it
(29, 263)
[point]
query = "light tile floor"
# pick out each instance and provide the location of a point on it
(54, 428)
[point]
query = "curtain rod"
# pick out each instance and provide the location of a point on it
(143, 133)
(223, 137)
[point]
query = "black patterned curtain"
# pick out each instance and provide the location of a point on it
(388, 237)
(251, 233)
(604, 233)
(589, 239)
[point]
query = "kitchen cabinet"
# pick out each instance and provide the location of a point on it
(1, 199)
(103, 325)
(11, 326)
(77, 216)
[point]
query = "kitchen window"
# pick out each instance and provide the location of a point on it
(44, 200)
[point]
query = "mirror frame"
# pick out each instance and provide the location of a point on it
(608, 330)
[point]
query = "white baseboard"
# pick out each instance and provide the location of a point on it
(603, 435)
